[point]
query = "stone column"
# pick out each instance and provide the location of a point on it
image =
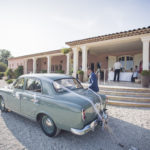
(49, 64)
(68, 63)
(34, 64)
(75, 60)
(84, 61)
(145, 41)
(25, 66)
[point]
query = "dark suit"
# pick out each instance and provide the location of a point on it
(93, 82)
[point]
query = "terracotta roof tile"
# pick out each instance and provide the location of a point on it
(37, 54)
(116, 35)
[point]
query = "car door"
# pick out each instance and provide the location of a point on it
(14, 95)
(31, 97)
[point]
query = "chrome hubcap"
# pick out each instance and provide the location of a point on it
(48, 122)
(48, 125)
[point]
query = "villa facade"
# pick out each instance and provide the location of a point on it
(130, 47)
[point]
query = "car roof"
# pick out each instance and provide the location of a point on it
(48, 76)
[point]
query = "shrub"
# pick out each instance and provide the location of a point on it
(60, 71)
(9, 81)
(44, 71)
(19, 71)
(3, 67)
(1, 75)
(145, 73)
(9, 73)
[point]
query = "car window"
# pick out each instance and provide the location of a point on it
(33, 85)
(70, 83)
(19, 83)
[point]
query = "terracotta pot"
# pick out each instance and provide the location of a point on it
(80, 77)
(145, 81)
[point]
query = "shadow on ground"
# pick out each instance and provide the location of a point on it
(123, 136)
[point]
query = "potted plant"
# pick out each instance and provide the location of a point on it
(145, 76)
(80, 75)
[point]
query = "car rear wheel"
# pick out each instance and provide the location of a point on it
(2, 105)
(48, 126)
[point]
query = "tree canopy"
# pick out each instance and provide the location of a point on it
(4, 55)
(3, 67)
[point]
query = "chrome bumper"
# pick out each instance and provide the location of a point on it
(90, 127)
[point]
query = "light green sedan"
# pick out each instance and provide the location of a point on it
(57, 102)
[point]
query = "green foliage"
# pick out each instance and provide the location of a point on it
(65, 50)
(3, 67)
(145, 73)
(9, 81)
(19, 71)
(60, 71)
(4, 55)
(1, 75)
(44, 71)
(80, 72)
(71, 71)
(9, 73)
(14, 74)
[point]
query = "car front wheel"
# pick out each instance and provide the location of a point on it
(48, 126)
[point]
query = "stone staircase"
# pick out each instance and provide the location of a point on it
(127, 96)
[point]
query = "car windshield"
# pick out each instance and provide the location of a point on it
(71, 84)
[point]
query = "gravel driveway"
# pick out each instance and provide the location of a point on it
(127, 127)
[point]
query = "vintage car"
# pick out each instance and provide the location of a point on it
(56, 101)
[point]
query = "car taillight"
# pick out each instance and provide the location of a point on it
(83, 115)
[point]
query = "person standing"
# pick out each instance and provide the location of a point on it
(93, 80)
(135, 74)
(117, 68)
(98, 72)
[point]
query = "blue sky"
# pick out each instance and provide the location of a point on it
(31, 26)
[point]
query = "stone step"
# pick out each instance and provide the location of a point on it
(131, 104)
(124, 89)
(125, 96)
(120, 88)
(128, 98)
(124, 93)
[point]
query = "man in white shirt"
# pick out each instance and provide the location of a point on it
(117, 67)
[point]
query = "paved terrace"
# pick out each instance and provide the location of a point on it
(118, 84)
